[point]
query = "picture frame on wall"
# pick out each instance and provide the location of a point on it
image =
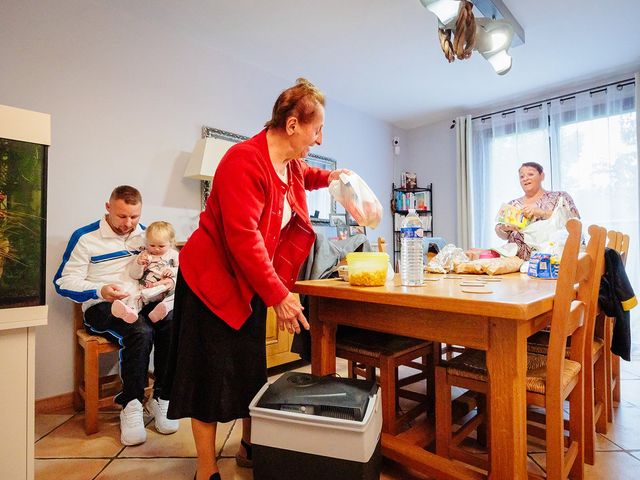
(320, 203)
(337, 220)
(342, 232)
(411, 180)
(357, 229)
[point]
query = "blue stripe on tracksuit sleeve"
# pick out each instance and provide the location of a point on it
(112, 255)
(73, 241)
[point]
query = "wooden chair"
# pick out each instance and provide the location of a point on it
(551, 379)
(366, 351)
(92, 391)
(620, 243)
(595, 375)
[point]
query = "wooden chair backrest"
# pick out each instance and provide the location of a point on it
(382, 245)
(574, 293)
(78, 318)
(624, 248)
(591, 288)
(620, 243)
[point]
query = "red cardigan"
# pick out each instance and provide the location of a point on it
(239, 249)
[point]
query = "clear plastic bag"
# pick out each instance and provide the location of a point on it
(358, 199)
(447, 259)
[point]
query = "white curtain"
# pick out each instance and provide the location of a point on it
(501, 143)
(464, 182)
(588, 146)
(594, 153)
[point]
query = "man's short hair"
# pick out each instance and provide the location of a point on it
(130, 195)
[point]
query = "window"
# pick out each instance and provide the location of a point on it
(587, 146)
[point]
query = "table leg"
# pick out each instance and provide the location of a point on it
(507, 366)
(323, 342)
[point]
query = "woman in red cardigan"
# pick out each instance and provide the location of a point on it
(253, 237)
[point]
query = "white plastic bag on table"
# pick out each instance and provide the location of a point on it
(356, 197)
(446, 259)
(539, 234)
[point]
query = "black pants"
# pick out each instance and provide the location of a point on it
(136, 340)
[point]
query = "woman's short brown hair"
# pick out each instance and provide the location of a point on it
(300, 101)
(535, 165)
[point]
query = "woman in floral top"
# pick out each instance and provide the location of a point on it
(536, 204)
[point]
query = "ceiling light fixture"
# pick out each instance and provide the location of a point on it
(489, 35)
(445, 10)
(493, 39)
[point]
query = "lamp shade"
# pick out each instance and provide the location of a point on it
(205, 157)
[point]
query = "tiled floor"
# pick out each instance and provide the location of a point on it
(64, 452)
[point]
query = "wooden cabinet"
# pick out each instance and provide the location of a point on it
(278, 343)
(17, 365)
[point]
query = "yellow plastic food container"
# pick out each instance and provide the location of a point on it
(367, 269)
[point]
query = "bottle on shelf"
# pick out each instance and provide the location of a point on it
(411, 257)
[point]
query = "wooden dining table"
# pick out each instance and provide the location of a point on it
(496, 317)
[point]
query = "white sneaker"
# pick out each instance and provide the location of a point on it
(132, 430)
(158, 409)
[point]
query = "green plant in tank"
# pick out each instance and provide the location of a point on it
(21, 222)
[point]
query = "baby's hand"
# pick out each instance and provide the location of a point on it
(167, 273)
(166, 281)
(143, 258)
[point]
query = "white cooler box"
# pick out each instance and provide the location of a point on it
(297, 435)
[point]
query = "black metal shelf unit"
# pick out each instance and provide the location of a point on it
(401, 199)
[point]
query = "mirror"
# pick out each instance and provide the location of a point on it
(320, 203)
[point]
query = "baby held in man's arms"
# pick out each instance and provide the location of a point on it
(155, 269)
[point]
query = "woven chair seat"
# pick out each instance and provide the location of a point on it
(374, 344)
(472, 364)
(87, 337)
(539, 343)
(537, 373)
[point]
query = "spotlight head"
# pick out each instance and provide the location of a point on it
(445, 10)
(493, 39)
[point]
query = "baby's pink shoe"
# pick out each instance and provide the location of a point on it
(159, 312)
(120, 310)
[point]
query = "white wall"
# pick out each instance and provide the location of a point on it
(128, 98)
(432, 155)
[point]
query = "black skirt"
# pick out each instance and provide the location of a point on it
(214, 370)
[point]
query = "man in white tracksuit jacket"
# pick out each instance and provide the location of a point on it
(94, 272)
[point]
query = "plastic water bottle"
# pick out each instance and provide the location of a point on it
(411, 256)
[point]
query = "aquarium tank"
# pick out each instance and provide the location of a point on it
(23, 180)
